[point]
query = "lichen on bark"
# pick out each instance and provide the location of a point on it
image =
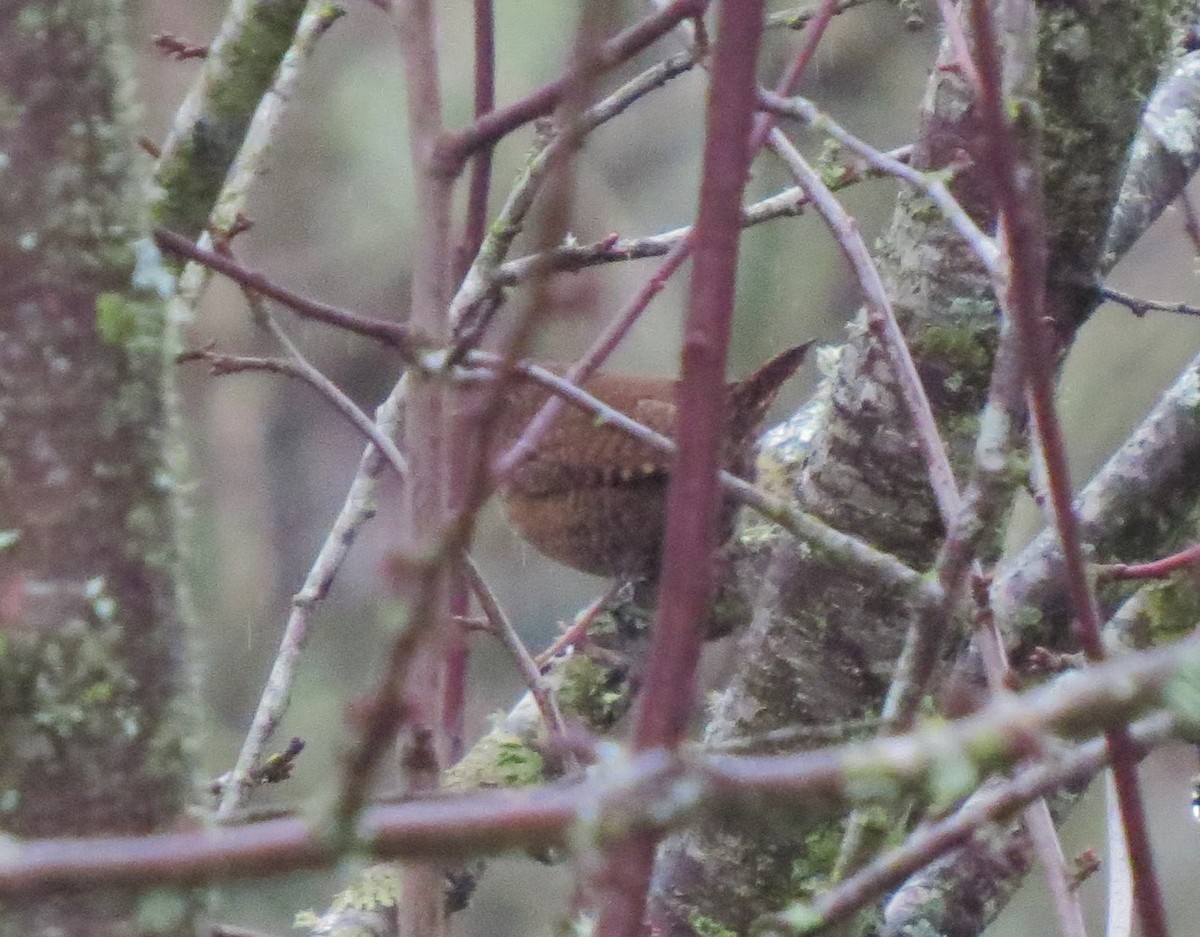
(90, 636)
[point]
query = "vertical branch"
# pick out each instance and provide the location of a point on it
(454, 688)
(426, 498)
(425, 438)
(692, 496)
(481, 163)
(1022, 221)
(692, 499)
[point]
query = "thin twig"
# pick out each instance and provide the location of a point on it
(1139, 307)
(1158, 569)
(302, 370)
(481, 280)
(481, 162)
(788, 203)
(356, 510)
(576, 633)
(504, 630)
(455, 148)
(931, 184)
(391, 334)
(882, 319)
(802, 16)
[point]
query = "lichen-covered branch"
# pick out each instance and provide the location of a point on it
(210, 126)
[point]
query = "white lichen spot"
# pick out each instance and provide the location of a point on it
(28, 241)
(149, 273)
(105, 607)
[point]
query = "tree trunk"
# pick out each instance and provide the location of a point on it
(91, 641)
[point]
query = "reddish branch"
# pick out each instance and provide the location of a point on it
(693, 492)
(455, 148)
(815, 783)
(1023, 223)
(389, 333)
(481, 163)
(1158, 569)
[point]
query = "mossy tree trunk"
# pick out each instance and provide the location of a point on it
(91, 643)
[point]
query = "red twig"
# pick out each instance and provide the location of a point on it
(389, 333)
(1157, 569)
(455, 148)
(1023, 223)
(458, 652)
(692, 495)
(481, 163)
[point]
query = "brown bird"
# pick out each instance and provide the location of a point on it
(592, 497)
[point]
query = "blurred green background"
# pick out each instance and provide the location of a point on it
(334, 219)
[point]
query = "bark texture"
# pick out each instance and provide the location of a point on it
(90, 632)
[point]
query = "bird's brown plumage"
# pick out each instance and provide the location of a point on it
(591, 496)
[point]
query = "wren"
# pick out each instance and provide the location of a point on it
(592, 497)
